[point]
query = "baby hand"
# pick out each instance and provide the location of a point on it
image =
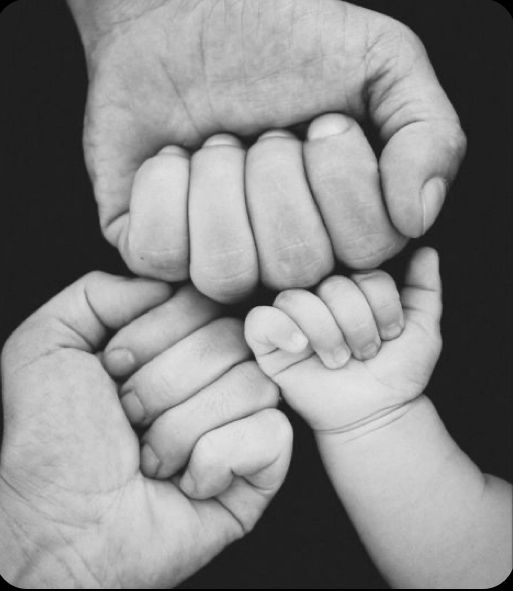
(357, 349)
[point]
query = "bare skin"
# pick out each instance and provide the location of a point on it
(77, 509)
(176, 72)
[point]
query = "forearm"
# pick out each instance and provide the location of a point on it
(426, 513)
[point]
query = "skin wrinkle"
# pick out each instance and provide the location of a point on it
(372, 418)
(90, 530)
(101, 321)
(244, 77)
(56, 522)
(276, 376)
(237, 360)
(396, 74)
(178, 92)
(203, 60)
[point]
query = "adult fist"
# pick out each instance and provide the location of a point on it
(172, 72)
(75, 509)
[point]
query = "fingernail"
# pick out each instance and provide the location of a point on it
(432, 197)
(369, 351)
(187, 484)
(341, 356)
(174, 151)
(222, 139)
(279, 133)
(391, 331)
(119, 362)
(149, 461)
(133, 407)
(328, 125)
(297, 342)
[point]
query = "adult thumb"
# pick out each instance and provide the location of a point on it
(82, 316)
(424, 140)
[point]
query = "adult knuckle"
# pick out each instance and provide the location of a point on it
(332, 286)
(255, 383)
(372, 247)
(288, 298)
(457, 141)
(160, 263)
(206, 455)
(302, 264)
(222, 334)
(370, 276)
(231, 333)
(279, 426)
(266, 390)
(227, 279)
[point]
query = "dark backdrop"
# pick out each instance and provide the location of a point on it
(50, 237)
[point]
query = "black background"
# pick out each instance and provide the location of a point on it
(50, 237)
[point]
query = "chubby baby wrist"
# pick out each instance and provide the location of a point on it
(374, 423)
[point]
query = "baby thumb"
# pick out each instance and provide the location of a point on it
(422, 292)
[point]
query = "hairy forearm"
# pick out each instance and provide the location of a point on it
(426, 513)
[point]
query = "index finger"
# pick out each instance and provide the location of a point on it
(162, 327)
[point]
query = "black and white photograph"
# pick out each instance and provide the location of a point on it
(256, 294)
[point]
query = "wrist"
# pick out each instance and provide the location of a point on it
(370, 425)
(34, 553)
(409, 444)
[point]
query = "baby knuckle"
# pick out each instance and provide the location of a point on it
(361, 331)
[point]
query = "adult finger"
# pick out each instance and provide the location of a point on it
(184, 369)
(343, 173)
(240, 392)
(224, 262)
(159, 329)
(256, 449)
(82, 316)
(293, 247)
(157, 242)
